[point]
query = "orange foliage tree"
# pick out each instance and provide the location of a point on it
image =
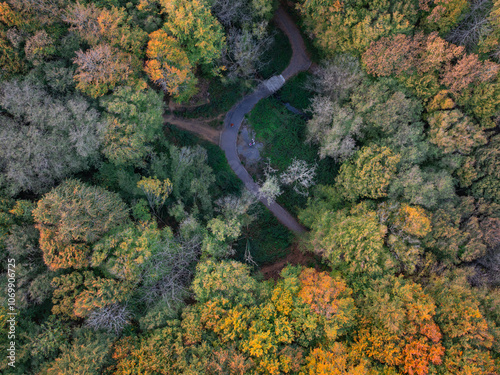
(413, 220)
(169, 67)
(333, 360)
(323, 293)
(401, 53)
(398, 327)
(425, 63)
(467, 335)
(73, 216)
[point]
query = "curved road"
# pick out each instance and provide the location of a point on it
(298, 63)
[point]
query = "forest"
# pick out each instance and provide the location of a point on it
(365, 239)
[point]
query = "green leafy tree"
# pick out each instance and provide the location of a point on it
(79, 294)
(98, 293)
(66, 289)
(444, 14)
(197, 30)
(228, 280)
(192, 178)
(424, 187)
(10, 60)
(134, 121)
(487, 171)
(369, 173)
(124, 251)
(454, 132)
(162, 351)
(87, 353)
(463, 232)
(105, 25)
(377, 111)
(334, 128)
(351, 241)
(350, 26)
(45, 345)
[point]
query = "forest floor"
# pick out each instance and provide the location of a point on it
(294, 257)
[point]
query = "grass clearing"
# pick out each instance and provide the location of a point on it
(295, 93)
(284, 136)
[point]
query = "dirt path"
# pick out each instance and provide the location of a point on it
(228, 137)
(300, 61)
(202, 130)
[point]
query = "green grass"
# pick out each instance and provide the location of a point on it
(284, 134)
(222, 97)
(268, 240)
(295, 93)
(278, 55)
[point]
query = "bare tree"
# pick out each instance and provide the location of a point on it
(167, 273)
(84, 19)
(47, 11)
(474, 25)
(15, 36)
(299, 174)
(42, 139)
(337, 78)
(248, 255)
(101, 65)
(270, 189)
(112, 318)
(229, 12)
(234, 206)
(243, 55)
(333, 128)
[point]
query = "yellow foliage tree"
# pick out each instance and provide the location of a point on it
(169, 67)
(156, 191)
(413, 220)
(333, 360)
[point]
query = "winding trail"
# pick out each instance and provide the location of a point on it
(227, 139)
(298, 63)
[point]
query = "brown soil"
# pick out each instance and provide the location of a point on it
(196, 126)
(272, 271)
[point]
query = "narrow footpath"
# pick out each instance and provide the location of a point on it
(298, 63)
(228, 137)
